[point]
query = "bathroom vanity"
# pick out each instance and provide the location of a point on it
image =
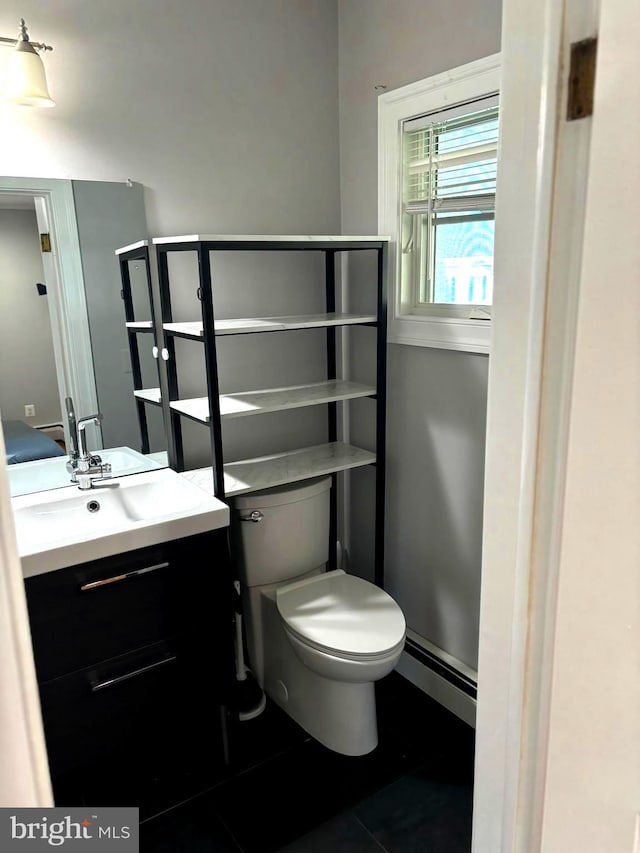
(129, 596)
(134, 658)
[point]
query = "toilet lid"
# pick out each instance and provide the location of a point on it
(342, 613)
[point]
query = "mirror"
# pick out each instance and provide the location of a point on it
(63, 332)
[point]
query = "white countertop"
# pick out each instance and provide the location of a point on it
(65, 527)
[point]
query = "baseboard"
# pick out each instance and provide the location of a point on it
(423, 676)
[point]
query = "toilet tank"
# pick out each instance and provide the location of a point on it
(292, 536)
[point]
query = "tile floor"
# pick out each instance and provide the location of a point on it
(413, 794)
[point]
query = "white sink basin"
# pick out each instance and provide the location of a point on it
(43, 474)
(63, 527)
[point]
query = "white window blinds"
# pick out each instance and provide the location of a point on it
(450, 160)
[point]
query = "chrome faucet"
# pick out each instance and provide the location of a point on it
(73, 434)
(86, 469)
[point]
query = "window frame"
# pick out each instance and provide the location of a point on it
(425, 325)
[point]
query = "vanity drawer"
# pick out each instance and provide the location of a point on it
(95, 611)
(131, 709)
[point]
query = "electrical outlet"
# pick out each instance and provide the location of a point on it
(29, 410)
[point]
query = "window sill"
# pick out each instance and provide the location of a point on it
(440, 332)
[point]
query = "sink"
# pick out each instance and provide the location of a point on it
(63, 527)
(52, 473)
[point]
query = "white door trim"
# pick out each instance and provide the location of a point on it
(24, 769)
(56, 213)
(542, 176)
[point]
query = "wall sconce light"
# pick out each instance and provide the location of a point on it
(26, 82)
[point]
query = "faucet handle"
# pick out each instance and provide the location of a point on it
(105, 475)
(94, 477)
(105, 483)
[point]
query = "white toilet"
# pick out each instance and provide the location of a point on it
(317, 640)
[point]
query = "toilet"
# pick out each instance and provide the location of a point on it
(317, 639)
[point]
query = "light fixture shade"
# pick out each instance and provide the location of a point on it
(26, 81)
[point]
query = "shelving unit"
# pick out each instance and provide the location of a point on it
(143, 396)
(247, 475)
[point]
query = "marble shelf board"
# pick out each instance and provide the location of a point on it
(251, 475)
(123, 249)
(150, 395)
(269, 238)
(141, 325)
(196, 408)
(245, 403)
(248, 325)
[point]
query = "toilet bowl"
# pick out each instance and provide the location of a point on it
(317, 640)
(341, 626)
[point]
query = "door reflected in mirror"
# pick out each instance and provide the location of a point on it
(63, 331)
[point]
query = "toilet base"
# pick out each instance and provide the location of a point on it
(340, 715)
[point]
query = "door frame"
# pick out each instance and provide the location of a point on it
(24, 769)
(56, 215)
(540, 220)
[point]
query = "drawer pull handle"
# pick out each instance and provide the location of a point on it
(123, 577)
(111, 682)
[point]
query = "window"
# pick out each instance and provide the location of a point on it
(438, 161)
(449, 185)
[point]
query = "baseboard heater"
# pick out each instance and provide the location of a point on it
(442, 668)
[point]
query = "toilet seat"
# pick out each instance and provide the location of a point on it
(342, 655)
(342, 615)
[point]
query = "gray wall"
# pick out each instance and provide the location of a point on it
(227, 113)
(27, 366)
(225, 110)
(437, 399)
(111, 215)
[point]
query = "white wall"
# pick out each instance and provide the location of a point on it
(437, 399)
(27, 368)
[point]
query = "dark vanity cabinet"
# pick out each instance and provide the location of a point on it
(134, 658)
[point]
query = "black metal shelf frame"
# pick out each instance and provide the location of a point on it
(140, 253)
(331, 249)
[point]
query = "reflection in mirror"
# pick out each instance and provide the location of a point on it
(37, 331)
(143, 353)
